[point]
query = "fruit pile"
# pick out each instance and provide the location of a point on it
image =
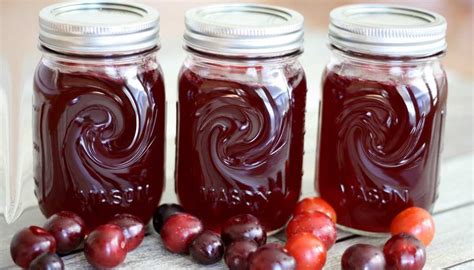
(105, 247)
(242, 241)
(411, 230)
(311, 233)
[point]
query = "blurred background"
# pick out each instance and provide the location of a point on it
(19, 56)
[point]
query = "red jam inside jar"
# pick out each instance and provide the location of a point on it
(241, 110)
(240, 147)
(379, 147)
(99, 120)
(382, 115)
(99, 142)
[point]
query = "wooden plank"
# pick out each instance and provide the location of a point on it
(455, 190)
(452, 244)
(456, 182)
(463, 266)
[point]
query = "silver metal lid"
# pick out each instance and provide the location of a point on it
(387, 30)
(244, 30)
(98, 27)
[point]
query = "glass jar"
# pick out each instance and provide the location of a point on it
(382, 117)
(99, 111)
(241, 110)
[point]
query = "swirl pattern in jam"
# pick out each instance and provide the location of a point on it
(379, 147)
(99, 140)
(240, 147)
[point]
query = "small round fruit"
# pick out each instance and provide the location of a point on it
(179, 231)
(163, 212)
(237, 254)
(47, 261)
(267, 257)
(207, 248)
(361, 257)
(308, 251)
(105, 246)
(404, 252)
(243, 227)
(316, 223)
(315, 204)
(416, 221)
(68, 229)
(29, 243)
(133, 229)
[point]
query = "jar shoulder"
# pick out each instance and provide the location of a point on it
(421, 89)
(282, 73)
(58, 74)
(384, 69)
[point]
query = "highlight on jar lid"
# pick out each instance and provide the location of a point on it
(244, 30)
(99, 28)
(387, 30)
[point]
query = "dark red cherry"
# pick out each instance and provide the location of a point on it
(404, 252)
(243, 227)
(271, 258)
(179, 231)
(47, 261)
(133, 229)
(163, 212)
(361, 257)
(68, 229)
(105, 246)
(207, 248)
(237, 254)
(29, 243)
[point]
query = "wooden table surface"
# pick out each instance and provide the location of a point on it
(453, 246)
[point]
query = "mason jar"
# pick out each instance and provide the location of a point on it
(99, 111)
(241, 111)
(382, 114)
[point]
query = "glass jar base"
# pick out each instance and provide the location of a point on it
(361, 232)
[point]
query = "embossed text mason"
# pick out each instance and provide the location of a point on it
(99, 121)
(382, 114)
(241, 114)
